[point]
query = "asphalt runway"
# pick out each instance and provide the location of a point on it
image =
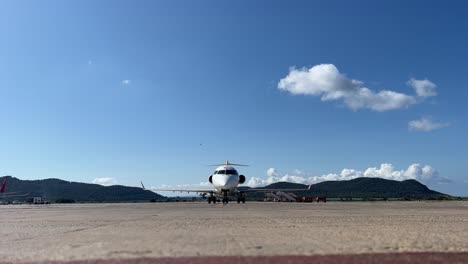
(248, 233)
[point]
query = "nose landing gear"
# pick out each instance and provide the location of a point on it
(225, 197)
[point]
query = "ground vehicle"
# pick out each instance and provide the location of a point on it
(321, 198)
(305, 199)
(36, 200)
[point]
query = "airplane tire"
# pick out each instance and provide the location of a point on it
(243, 199)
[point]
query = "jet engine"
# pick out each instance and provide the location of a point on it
(210, 179)
(241, 179)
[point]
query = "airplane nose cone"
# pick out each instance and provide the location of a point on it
(225, 181)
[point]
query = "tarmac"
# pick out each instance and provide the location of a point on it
(333, 232)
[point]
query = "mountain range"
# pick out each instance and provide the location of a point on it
(363, 188)
(56, 189)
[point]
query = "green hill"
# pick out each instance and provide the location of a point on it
(363, 188)
(53, 189)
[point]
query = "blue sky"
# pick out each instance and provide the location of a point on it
(155, 90)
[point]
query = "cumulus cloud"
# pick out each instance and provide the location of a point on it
(425, 124)
(126, 82)
(422, 173)
(326, 81)
(423, 88)
(106, 181)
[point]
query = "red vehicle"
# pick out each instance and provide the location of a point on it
(321, 198)
(306, 199)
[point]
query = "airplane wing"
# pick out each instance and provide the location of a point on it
(10, 195)
(178, 190)
(182, 191)
(275, 190)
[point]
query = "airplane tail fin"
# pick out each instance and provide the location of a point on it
(2, 188)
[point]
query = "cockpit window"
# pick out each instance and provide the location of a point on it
(232, 172)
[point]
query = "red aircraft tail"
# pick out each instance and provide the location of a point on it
(2, 188)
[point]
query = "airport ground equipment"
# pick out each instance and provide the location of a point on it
(321, 199)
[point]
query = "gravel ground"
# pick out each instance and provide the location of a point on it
(113, 231)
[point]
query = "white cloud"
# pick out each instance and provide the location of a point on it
(425, 124)
(326, 81)
(90, 62)
(423, 88)
(271, 172)
(106, 181)
(126, 82)
(422, 173)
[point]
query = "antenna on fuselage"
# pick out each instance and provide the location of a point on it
(228, 163)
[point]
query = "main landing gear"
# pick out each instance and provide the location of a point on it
(212, 198)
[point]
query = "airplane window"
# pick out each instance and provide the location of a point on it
(222, 172)
(234, 172)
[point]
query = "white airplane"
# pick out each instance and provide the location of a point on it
(226, 181)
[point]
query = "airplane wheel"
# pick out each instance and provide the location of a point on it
(238, 200)
(243, 199)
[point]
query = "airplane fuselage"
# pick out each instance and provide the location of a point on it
(226, 179)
